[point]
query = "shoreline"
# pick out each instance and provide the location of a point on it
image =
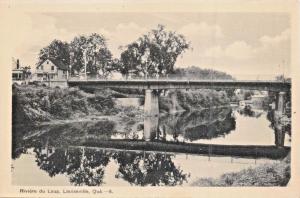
(255, 151)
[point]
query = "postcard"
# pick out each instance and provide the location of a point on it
(149, 98)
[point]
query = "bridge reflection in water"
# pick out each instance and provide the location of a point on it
(151, 88)
(189, 126)
(194, 132)
(59, 151)
(82, 166)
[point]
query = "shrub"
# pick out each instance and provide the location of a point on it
(60, 108)
(79, 105)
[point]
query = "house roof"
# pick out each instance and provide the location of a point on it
(57, 63)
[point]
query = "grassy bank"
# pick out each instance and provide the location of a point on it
(33, 104)
(271, 174)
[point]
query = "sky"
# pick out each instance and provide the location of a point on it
(246, 45)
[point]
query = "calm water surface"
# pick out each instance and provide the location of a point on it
(108, 167)
(51, 155)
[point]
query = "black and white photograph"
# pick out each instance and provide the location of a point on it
(150, 99)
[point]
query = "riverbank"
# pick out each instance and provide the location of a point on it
(252, 151)
(37, 105)
(269, 174)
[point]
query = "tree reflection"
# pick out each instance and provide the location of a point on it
(91, 169)
(281, 125)
(286, 127)
(20, 124)
(153, 169)
(18, 144)
(204, 124)
(211, 130)
(249, 112)
(83, 166)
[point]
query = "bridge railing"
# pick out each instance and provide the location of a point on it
(167, 79)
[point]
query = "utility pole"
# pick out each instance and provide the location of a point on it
(84, 58)
(69, 71)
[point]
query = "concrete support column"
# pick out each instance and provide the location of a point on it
(279, 111)
(280, 102)
(279, 135)
(151, 103)
(150, 128)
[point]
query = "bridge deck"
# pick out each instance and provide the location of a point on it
(183, 84)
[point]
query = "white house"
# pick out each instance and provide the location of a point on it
(51, 70)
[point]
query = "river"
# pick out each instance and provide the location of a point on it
(54, 157)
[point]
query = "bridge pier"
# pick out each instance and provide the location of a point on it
(151, 103)
(279, 135)
(279, 111)
(280, 102)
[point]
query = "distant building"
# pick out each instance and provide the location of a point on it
(256, 101)
(51, 70)
(259, 100)
(20, 75)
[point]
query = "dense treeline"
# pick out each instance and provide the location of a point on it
(193, 99)
(194, 72)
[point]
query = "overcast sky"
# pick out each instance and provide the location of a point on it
(245, 45)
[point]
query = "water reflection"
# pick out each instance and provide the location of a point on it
(82, 166)
(150, 128)
(86, 166)
(155, 169)
(18, 145)
(250, 112)
(280, 127)
(220, 125)
(192, 126)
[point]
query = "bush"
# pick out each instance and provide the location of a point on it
(45, 103)
(79, 105)
(60, 108)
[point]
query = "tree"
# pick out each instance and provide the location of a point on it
(153, 54)
(195, 72)
(56, 50)
(94, 49)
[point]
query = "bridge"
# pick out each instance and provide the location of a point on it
(152, 85)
